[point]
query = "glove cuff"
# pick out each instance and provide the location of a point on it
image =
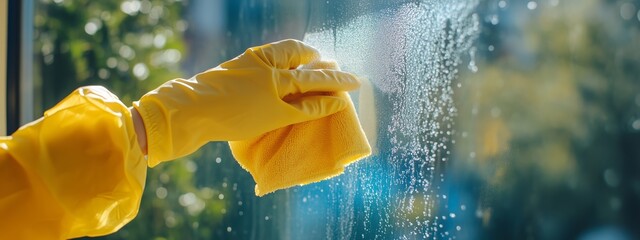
(157, 129)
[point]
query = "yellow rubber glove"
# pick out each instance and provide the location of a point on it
(77, 171)
(240, 99)
(306, 152)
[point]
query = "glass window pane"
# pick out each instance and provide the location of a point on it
(489, 119)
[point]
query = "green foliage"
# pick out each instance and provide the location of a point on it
(87, 42)
(131, 49)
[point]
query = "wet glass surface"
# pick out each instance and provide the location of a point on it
(489, 119)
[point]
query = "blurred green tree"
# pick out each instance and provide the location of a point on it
(130, 47)
(549, 125)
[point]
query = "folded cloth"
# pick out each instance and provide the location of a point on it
(306, 152)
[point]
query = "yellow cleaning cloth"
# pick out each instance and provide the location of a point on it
(306, 152)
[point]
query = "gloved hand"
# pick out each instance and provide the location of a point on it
(240, 99)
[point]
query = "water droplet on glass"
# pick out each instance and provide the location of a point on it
(220, 196)
(228, 229)
(531, 5)
(494, 20)
(423, 73)
(472, 66)
(164, 178)
(161, 193)
(187, 199)
(502, 4)
(189, 165)
(611, 178)
(627, 10)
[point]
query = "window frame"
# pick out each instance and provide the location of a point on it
(3, 65)
(17, 87)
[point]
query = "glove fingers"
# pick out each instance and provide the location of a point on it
(322, 64)
(320, 80)
(318, 106)
(286, 54)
